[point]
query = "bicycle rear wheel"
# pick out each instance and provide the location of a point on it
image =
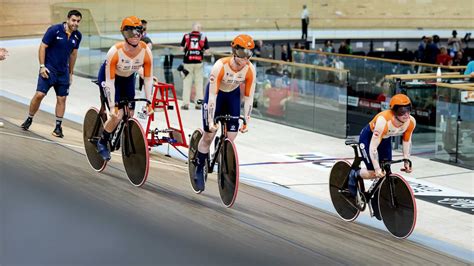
(228, 173)
(399, 219)
(341, 200)
(91, 131)
(192, 151)
(135, 154)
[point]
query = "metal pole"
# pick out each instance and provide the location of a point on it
(458, 123)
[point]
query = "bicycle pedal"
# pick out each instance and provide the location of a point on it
(344, 191)
(371, 211)
(360, 201)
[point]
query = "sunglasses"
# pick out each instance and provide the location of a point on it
(241, 52)
(401, 111)
(130, 32)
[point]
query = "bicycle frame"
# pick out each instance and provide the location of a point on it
(388, 174)
(369, 194)
(218, 145)
(220, 139)
(118, 131)
(389, 198)
(115, 140)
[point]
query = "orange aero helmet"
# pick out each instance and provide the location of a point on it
(131, 21)
(242, 46)
(244, 41)
(399, 100)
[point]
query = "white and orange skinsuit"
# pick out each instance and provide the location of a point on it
(224, 78)
(382, 127)
(119, 63)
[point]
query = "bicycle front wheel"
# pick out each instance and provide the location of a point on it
(399, 215)
(91, 131)
(135, 154)
(228, 174)
(340, 197)
(192, 151)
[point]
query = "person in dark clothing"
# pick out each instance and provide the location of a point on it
(431, 51)
(149, 43)
(194, 45)
(284, 53)
(345, 47)
(168, 67)
(57, 57)
(420, 54)
(145, 37)
(459, 59)
(328, 48)
(304, 23)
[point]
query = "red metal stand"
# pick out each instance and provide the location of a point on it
(164, 97)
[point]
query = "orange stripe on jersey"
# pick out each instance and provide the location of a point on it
(226, 60)
(387, 115)
(113, 62)
(219, 79)
(408, 133)
(119, 45)
(147, 64)
(248, 81)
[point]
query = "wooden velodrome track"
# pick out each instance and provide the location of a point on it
(56, 210)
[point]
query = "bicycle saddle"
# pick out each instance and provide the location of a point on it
(352, 142)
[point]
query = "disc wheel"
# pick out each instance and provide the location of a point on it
(135, 153)
(91, 131)
(340, 197)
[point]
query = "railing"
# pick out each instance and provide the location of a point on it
(454, 137)
(433, 105)
(367, 79)
(378, 59)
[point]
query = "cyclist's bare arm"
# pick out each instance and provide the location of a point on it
(407, 138)
(406, 146)
(148, 73)
(378, 133)
(110, 67)
(215, 79)
(249, 92)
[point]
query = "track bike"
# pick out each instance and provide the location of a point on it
(226, 158)
(396, 202)
(129, 136)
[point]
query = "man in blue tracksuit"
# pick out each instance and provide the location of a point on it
(57, 56)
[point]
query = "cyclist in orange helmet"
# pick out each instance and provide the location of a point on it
(230, 77)
(117, 76)
(375, 142)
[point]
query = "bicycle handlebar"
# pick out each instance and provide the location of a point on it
(222, 118)
(385, 163)
(125, 101)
